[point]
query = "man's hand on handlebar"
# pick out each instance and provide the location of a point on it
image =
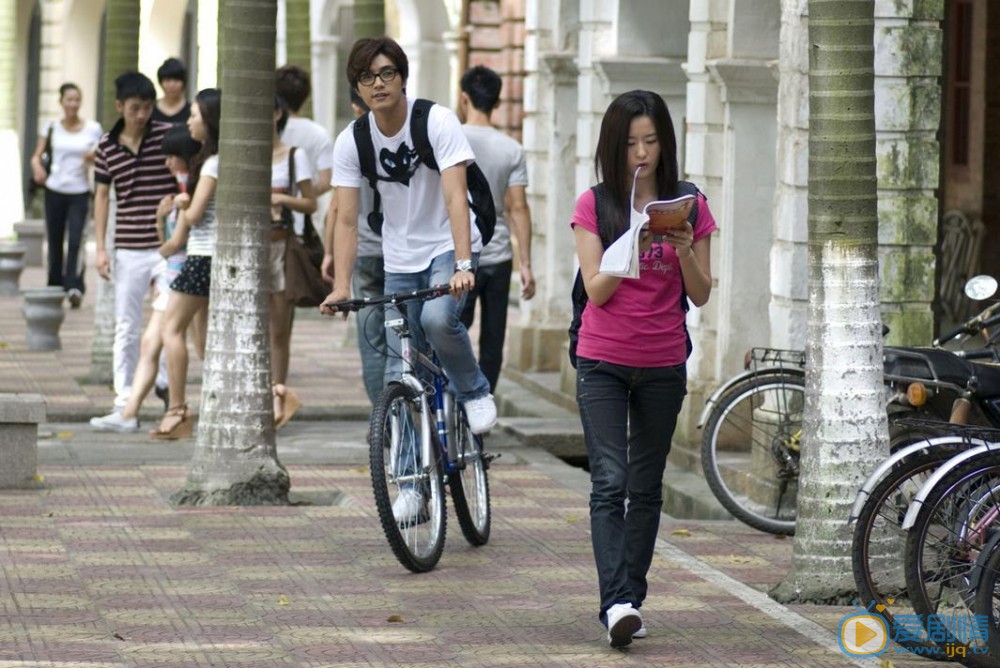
(338, 295)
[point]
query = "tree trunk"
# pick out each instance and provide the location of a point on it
(235, 460)
(844, 423)
(298, 43)
(369, 18)
(121, 53)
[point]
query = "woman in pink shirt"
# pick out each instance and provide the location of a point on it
(633, 346)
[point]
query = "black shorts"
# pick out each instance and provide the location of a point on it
(195, 277)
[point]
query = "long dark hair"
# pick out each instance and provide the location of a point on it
(611, 159)
(210, 106)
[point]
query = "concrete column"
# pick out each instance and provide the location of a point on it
(789, 259)
(537, 342)
(908, 64)
(748, 92)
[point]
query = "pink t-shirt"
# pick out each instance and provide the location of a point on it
(642, 325)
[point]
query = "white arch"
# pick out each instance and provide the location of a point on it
(161, 25)
(81, 51)
(427, 34)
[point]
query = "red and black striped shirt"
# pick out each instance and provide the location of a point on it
(141, 180)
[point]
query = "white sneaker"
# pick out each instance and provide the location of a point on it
(623, 621)
(409, 507)
(641, 633)
(481, 414)
(114, 421)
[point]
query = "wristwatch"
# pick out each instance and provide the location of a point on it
(463, 265)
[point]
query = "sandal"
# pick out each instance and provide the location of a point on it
(286, 404)
(182, 428)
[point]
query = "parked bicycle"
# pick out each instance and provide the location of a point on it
(752, 425)
(883, 573)
(412, 459)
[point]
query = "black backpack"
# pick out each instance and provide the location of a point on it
(480, 197)
(579, 295)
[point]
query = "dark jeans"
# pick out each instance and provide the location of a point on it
(368, 280)
(628, 416)
(492, 290)
(65, 213)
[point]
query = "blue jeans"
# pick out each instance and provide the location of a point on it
(437, 322)
(492, 290)
(628, 416)
(368, 280)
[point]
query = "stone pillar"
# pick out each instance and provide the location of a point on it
(537, 342)
(704, 164)
(789, 258)
(748, 90)
(908, 57)
(908, 60)
(20, 415)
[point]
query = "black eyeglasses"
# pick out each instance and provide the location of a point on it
(386, 74)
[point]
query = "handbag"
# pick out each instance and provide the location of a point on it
(304, 284)
(46, 159)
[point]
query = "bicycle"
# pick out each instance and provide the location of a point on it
(751, 439)
(879, 540)
(752, 425)
(411, 459)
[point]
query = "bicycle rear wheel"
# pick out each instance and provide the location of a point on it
(417, 535)
(470, 484)
(988, 602)
(750, 450)
(878, 551)
(945, 542)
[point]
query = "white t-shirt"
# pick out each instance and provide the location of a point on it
(416, 227)
(201, 237)
(68, 174)
(502, 160)
(315, 141)
(312, 138)
(279, 174)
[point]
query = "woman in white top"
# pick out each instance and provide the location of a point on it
(67, 189)
(285, 197)
(189, 291)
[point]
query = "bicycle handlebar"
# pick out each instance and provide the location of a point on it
(974, 324)
(413, 295)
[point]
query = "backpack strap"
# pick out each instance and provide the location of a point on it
(366, 160)
(418, 132)
(603, 229)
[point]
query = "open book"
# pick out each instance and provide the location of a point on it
(622, 257)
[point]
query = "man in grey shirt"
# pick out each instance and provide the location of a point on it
(368, 280)
(502, 160)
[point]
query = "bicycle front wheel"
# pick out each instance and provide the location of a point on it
(470, 485)
(750, 450)
(409, 496)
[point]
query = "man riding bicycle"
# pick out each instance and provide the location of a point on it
(428, 239)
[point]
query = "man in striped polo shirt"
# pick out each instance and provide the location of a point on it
(130, 157)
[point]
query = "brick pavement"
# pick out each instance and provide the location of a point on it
(99, 570)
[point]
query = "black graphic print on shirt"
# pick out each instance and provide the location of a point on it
(400, 165)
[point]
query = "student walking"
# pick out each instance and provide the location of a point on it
(632, 350)
(502, 160)
(179, 149)
(189, 291)
(291, 192)
(130, 157)
(72, 141)
(173, 107)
